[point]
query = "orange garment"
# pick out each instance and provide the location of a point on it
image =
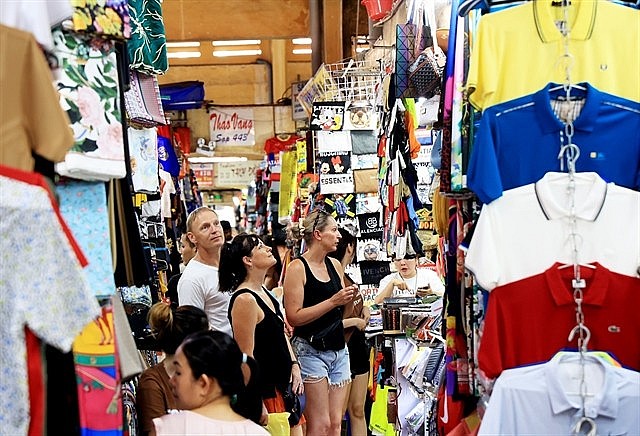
(414, 145)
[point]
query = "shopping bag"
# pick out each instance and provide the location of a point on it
(278, 424)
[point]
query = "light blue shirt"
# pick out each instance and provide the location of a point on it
(531, 400)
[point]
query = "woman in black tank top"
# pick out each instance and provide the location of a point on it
(257, 320)
(314, 295)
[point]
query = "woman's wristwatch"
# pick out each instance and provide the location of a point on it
(295, 362)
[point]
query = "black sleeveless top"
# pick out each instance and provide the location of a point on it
(270, 348)
(316, 292)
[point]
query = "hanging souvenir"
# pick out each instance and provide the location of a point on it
(147, 46)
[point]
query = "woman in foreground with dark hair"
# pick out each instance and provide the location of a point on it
(209, 386)
(258, 323)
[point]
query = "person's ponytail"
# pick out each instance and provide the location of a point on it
(248, 401)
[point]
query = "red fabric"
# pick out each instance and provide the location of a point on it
(164, 131)
(35, 376)
(529, 320)
(182, 136)
(450, 411)
(276, 145)
(38, 180)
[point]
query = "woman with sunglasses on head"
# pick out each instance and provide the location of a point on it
(409, 280)
(257, 321)
(209, 387)
(314, 296)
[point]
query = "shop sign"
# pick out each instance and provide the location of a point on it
(236, 174)
(232, 126)
(204, 174)
(336, 183)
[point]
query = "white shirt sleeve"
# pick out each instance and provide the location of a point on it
(189, 293)
(482, 257)
(431, 278)
(384, 282)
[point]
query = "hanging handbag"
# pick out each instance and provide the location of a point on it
(425, 73)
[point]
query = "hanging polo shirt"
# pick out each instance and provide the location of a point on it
(532, 401)
(526, 230)
(518, 50)
(529, 320)
(518, 141)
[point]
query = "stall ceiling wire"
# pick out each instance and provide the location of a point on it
(570, 152)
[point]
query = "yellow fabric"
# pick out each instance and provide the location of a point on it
(517, 51)
(31, 118)
(278, 424)
(378, 421)
(288, 186)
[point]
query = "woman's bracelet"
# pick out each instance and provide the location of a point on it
(295, 362)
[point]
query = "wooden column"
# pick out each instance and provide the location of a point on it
(332, 31)
(279, 64)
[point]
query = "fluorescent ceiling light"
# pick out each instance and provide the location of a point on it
(301, 41)
(236, 42)
(228, 53)
(183, 44)
(301, 51)
(184, 54)
(216, 159)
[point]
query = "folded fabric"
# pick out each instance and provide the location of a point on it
(364, 141)
(89, 90)
(143, 102)
(366, 180)
(106, 19)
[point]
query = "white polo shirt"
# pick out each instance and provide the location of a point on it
(526, 230)
(540, 400)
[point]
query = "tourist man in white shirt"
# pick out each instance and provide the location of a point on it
(198, 285)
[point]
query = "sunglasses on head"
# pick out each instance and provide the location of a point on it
(315, 221)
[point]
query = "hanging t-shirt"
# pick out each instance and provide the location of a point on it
(143, 155)
(525, 231)
(518, 141)
(517, 51)
(529, 320)
(44, 288)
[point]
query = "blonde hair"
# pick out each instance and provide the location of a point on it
(316, 220)
(193, 215)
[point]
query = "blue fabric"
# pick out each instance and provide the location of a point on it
(84, 207)
(167, 156)
(518, 141)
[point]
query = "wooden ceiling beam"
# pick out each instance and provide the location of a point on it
(196, 20)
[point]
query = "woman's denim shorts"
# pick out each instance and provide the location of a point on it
(316, 365)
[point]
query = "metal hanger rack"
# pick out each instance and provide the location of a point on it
(569, 153)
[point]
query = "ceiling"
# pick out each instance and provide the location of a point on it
(208, 20)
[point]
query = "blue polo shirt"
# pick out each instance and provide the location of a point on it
(518, 141)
